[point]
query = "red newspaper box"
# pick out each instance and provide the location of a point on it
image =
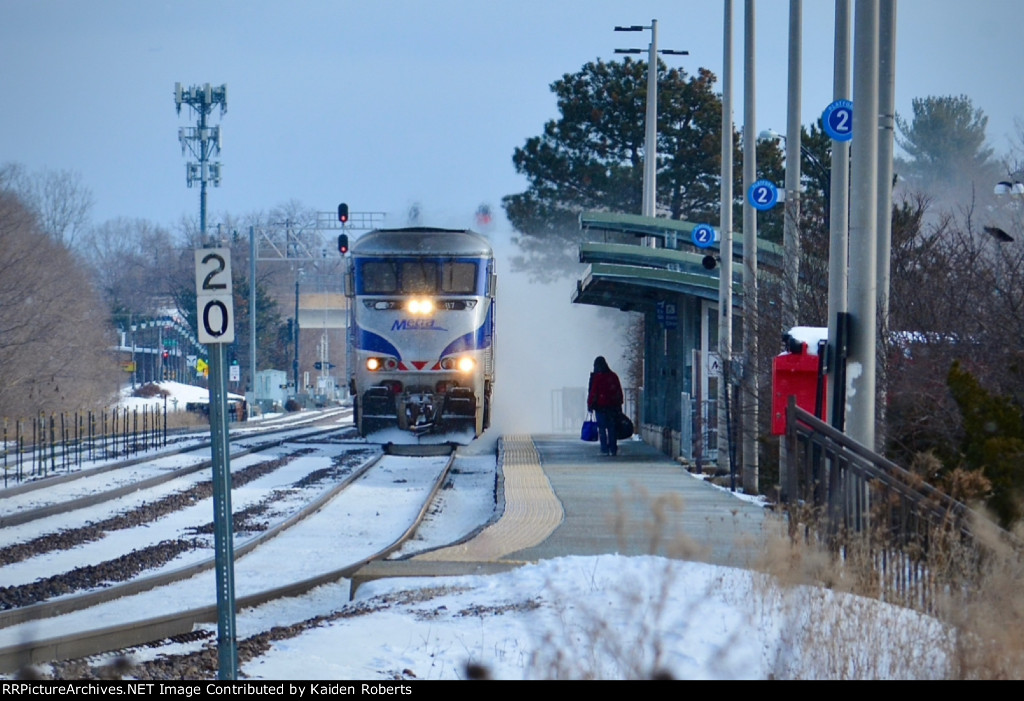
(794, 374)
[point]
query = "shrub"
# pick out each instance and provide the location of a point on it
(150, 389)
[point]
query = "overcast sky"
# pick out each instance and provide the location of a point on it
(393, 103)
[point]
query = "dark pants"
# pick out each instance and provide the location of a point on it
(606, 430)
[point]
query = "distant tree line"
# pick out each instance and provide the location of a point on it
(70, 290)
(54, 333)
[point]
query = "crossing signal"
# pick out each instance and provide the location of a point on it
(343, 213)
(342, 244)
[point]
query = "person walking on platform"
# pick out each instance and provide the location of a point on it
(604, 398)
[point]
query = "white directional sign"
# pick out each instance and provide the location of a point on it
(214, 303)
(713, 363)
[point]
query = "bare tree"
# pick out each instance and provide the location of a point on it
(55, 345)
(59, 200)
(130, 260)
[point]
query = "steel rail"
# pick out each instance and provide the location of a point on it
(28, 515)
(86, 643)
(281, 423)
(48, 609)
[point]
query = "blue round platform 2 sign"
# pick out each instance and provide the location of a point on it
(763, 195)
(837, 120)
(703, 235)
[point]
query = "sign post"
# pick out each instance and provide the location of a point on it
(216, 321)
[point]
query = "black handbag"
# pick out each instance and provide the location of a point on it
(589, 431)
(623, 427)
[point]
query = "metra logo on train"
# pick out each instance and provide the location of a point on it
(416, 325)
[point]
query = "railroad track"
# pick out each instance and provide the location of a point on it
(56, 494)
(95, 622)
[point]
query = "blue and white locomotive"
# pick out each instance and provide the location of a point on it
(421, 331)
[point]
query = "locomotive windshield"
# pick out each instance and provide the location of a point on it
(458, 278)
(378, 277)
(418, 277)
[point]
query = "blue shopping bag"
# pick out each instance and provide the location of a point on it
(589, 431)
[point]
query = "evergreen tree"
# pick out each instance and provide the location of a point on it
(945, 142)
(591, 157)
(993, 443)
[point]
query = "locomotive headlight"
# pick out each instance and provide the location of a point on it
(420, 306)
(466, 364)
(373, 364)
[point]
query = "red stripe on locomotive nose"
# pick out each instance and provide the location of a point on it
(419, 363)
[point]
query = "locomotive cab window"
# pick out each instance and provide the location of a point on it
(419, 277)
(458, 278)
(378, 277)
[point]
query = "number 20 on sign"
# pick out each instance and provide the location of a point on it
(214, 303)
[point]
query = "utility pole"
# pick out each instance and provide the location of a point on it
(839, 220)
(725, 460)
(863, 289)
(886, 134)
(750, 381)
(791, 229)
(251, 396)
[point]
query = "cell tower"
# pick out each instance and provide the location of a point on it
(202, 140)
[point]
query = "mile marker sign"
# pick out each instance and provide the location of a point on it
(214, 303)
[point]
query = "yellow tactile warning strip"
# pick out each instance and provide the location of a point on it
(532, 511)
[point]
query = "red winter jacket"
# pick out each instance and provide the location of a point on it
(605, 391)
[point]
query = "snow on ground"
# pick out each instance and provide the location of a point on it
(604, 617)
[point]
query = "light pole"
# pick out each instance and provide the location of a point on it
(726, 460)
(649, 202)
(1006, 188)
(750, 379)
(791, 226)
(1003, 188)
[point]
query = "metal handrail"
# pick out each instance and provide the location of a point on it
(851, 499)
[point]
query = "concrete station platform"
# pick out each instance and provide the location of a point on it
(561, 497)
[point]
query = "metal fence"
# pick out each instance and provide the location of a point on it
(698, 429)
(44, 445)
(911, 539)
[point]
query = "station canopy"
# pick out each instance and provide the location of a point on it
(634, 277)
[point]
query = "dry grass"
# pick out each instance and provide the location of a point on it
(821, 617)
(186, 419)
(973, 593)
